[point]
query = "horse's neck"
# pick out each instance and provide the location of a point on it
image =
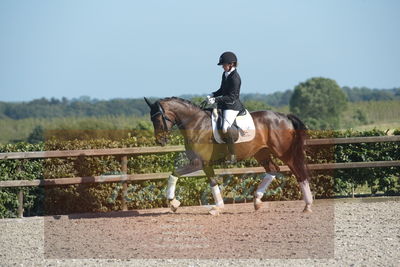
(190, 119)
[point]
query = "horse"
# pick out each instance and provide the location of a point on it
(276, 134)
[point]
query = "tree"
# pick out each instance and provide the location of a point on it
(319, 102)
(360, 116)
(37, 135)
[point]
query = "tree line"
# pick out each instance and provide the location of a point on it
(88, 107)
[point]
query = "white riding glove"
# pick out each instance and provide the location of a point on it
(210, 100)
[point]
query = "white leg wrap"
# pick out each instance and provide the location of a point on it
(305, 189)
(171, 186)
(219, 202)
(266, 181)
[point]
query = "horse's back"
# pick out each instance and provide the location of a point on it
(271, 120)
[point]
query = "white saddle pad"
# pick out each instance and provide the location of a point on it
(244, 122)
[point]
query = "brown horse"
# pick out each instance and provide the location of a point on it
(276, 134)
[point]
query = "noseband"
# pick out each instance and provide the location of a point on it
(164, 117)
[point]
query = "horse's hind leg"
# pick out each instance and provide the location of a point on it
(287, 144)
(264, 158)
(307, 195)
(301, 173)
(262, 187)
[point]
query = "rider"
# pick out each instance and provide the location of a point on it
(227, 98)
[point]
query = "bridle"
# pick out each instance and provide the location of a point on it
(164, 117)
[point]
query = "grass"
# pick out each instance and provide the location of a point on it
(15, 130)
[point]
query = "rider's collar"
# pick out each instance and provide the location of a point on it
(229, 72)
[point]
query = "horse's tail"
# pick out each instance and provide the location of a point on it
(298, 146)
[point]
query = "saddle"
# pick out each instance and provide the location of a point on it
(242, 130)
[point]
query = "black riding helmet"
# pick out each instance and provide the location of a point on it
(227, 58)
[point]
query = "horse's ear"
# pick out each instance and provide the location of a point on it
(148, 102)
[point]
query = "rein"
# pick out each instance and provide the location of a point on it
(160, 111)
(164, 117)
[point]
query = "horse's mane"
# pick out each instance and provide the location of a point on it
(182, 100)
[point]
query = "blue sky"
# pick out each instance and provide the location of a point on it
(130, 49)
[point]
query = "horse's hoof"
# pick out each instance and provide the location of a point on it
(257, 203)
(215, 211)
(307, 209)
(174, 204)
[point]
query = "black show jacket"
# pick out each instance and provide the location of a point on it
(227, 96)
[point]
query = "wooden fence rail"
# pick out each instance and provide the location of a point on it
(124, 177)
(169, 149)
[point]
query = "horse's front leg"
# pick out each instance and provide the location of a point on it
(219, 202)
(173, 202)
(193, 166)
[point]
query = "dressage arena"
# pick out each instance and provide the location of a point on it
(338, 233)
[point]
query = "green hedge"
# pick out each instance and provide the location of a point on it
(191, 191)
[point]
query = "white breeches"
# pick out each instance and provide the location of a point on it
(229, 118)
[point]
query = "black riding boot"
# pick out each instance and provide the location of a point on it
(231, 147)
